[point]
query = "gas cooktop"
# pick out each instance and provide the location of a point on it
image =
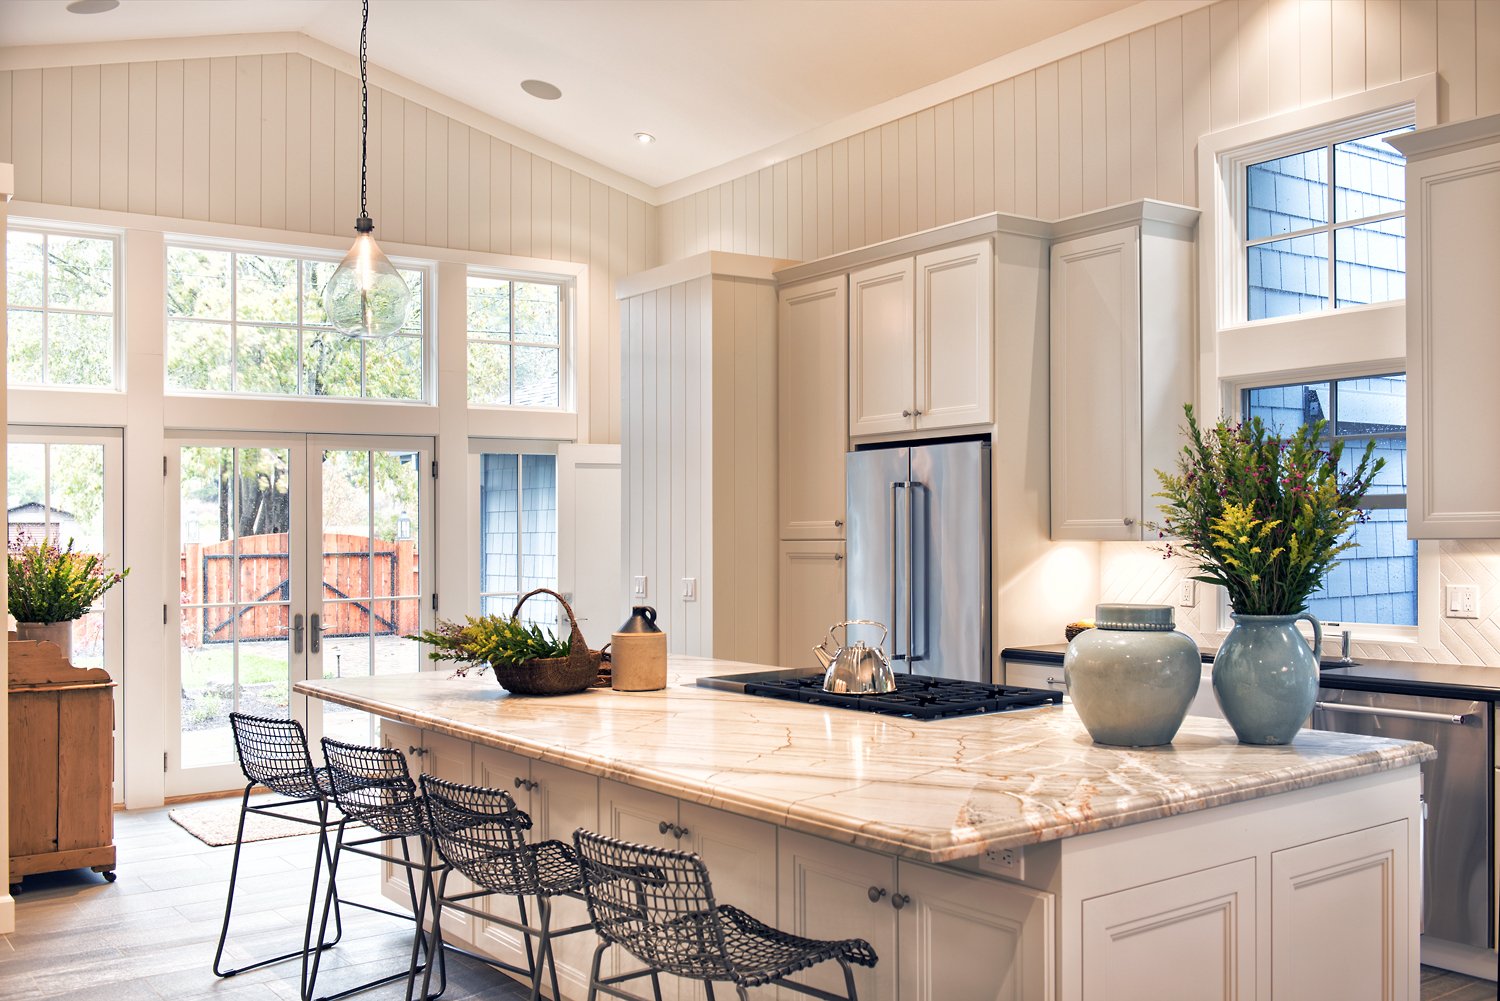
(915, 697)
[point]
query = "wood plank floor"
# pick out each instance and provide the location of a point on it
(151, 935)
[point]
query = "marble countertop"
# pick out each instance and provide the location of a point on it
(929, 790)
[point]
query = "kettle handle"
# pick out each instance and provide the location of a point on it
(857, 622)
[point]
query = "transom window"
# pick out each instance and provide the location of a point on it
(1325, 228)
(62, 306)
(252, 323)
(515, 342)
(1375, 583)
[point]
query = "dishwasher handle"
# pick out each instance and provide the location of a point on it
(1452, 719)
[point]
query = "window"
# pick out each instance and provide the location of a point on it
(252, 323)
(518, 533)
(62, 304)
(515, 342)
(1349, 196)
(1375, 583)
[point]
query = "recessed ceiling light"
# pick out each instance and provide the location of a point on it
(541, 89)
(92, 6)
(645, 138)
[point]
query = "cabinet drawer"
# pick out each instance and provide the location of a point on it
(1029, 675)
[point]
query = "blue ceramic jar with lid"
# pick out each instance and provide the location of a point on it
(1133, 676)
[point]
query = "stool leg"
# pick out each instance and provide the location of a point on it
(544, 952)
(594, 972)
(531, 960)
(419, 904)
(433, 945)
(849, 987)
(655, 986)
(234, 871)
(310, 977)
(326, 850)
(710, 985)
(743, 994)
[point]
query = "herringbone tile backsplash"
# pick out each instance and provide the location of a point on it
(1136, 572)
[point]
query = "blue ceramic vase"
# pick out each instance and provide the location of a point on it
(1133, 676)
(1266, 677)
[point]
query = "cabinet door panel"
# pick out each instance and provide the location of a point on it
(812, 598)
(823, 892)
(452, 759)
(561, 802)
(812, 394)
(955, 336)
(636, 815)
(1191, 936)
(963, 936)
(1344, 896)
(741, 857)
(393, 877)
(882, 356)
(497, 769)
(1096, 387)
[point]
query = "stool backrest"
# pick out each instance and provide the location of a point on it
(368, 782)
(656, 904)
(482, 834)
(272, 752)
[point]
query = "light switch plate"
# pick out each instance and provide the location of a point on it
(638, 587)
(1463, 601)
(690, 589)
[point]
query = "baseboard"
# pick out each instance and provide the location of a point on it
(1465, 959)
(7, 913)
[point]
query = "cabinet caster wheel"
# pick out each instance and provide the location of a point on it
(109, 875)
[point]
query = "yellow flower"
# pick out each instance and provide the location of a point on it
(1254, 550)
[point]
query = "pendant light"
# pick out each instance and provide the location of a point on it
(366, 297)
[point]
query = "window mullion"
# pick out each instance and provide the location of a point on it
(46, 303)
(1333, 292)
(234, 321)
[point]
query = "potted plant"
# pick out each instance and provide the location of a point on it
(1265, 519)
(527, 660)
(49, 587)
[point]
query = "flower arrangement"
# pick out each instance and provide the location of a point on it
(48, 584)
(477, 643)
(1262, 517)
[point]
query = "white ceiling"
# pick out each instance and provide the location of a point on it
(714, 81)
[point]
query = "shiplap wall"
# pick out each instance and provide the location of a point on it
(1117, 122)
(273, 141)
(698, 454)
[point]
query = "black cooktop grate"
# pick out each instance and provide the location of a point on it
(915, 697)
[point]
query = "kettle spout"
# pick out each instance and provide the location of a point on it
(824, 657)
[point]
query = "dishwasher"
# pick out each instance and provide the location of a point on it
(1457, 792)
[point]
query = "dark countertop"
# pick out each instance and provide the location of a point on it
(1449, 681)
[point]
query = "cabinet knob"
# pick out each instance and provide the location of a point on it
(1129, 521)
(837, 557)
(663, 827)
(916, 413)
(906, 413)
(527, 784)
(416, 751)
(875, 893)
(837, 523)
(667, 827)
(899, 900)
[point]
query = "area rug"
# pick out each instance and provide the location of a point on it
(215, 823)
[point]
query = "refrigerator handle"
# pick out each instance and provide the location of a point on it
(896, 489)
(911, 573)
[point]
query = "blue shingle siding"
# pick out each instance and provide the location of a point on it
(511, 565)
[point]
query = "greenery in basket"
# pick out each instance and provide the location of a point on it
(1264, 518)
(476, 643)
(48, 584)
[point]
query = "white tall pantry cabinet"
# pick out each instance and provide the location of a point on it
(1121, 366)
(1452, 348)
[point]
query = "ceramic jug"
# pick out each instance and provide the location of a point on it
(638, 653)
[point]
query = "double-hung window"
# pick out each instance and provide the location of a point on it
(247, 321)
(62, 308)
(517, 341)
(1376, 582)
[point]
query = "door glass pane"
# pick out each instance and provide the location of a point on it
(235, 570)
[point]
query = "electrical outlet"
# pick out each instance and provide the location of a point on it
(1463, 601)
(1187, 595)
(638, 587)
(690, 589)
(1009, 862)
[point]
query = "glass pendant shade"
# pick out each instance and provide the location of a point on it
(366, 297)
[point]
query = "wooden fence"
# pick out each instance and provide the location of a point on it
(361, 581)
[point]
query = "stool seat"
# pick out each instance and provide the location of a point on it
(299, 784)
(759, 954)
(398, 818)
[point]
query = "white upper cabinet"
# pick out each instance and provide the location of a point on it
(1121, 369)
(921, 341)
(812, 388)
(1452, 353)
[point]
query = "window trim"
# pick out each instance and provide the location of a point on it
(1425, 632)
(428, 270)
(566, 375)
(48, 228)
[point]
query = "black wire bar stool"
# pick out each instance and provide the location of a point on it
(481, 834)
(658, 905)
(372, 786)
(273, 753)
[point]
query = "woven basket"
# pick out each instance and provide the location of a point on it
(551, 675)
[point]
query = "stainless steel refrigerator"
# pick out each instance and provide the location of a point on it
(918, 541)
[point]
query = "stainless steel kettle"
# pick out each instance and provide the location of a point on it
(855, 669)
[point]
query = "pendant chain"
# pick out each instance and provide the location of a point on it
(364, 111)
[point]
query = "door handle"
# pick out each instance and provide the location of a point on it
(911, 553)
(315, 639)
(1055, 683)
(896, 489)
(1452, 719)
(297, 631)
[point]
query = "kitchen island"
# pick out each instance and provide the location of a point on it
(986, 857)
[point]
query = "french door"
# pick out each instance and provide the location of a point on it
(299, 556)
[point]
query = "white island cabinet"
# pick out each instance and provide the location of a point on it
(987, 858)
